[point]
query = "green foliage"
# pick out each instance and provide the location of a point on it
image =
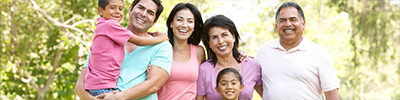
(33, 47)
(374, 45)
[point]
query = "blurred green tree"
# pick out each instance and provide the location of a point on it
(43, 44)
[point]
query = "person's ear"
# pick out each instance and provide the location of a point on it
(304, 24)
(276, 27)
(155, 22)
(241, 87)
(216, 89)
(100, 11)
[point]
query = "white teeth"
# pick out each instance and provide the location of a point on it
(222, 47)
(183, 31)
(142, 21)
(229, 92)
(288, 30)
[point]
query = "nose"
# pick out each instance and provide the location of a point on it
(229, 86)
(144, 12)
(220, 40)
(184, 24)
(287, 23)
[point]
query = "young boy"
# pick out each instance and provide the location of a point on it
(107, 49)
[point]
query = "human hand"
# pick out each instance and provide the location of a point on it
(147, 71)
(162, 36)
(113, 95)
(243, 55)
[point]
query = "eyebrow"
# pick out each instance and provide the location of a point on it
(182, 17)
(286, 18)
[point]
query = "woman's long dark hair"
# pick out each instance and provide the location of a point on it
(223, 22)
(198, 23)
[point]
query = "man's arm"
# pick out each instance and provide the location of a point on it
(155, 79)
(259, 90)
(200, 97)
(80, 87)
(332, 95)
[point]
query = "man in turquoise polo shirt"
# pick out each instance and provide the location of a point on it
(132, 81)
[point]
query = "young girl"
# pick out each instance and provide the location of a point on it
(107, 49)
(229, 84)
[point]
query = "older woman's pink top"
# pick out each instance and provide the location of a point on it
(206, 82)
(181, 83)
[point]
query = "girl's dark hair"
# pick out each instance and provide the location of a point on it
(226, 71)
(104, 3)
(195, 37)
(160, 7)
(223, 22)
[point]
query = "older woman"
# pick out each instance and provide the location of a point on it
(221, 40)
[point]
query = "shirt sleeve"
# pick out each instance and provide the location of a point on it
(201, 86)
(258, 71)
(87, 59)
(328, 76)
(163, 57)
(117, 33)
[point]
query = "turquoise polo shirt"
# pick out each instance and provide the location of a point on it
(134, 66)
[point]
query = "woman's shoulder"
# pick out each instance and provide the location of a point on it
(251, 62)
(207, 64)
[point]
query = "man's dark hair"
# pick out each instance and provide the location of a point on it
(160, 8)
(223, 22)
(229, 70)
(290, 4)
(195, 37)
(104, 3)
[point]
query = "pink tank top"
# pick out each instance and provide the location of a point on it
(181, 83)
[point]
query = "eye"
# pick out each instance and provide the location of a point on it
(233, 83)
(179, 19)
(151, 13)
(190, 21)
(112, 7)
(121, 8)
(213, 37)
(223, 83)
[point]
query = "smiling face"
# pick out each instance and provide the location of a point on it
(229, 86)
(143, 14)
(289, 25)
(221, 41)
(113, 11)
(183, 24)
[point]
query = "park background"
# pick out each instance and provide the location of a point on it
(44, 43)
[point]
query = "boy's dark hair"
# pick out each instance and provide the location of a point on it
(223, 22)
(195, 37)
(290, 4)
(228, 70)
(160, 7)
(104, 3)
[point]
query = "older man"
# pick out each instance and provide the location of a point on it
(292, 66)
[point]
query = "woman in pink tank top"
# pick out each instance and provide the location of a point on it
(185, 27)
